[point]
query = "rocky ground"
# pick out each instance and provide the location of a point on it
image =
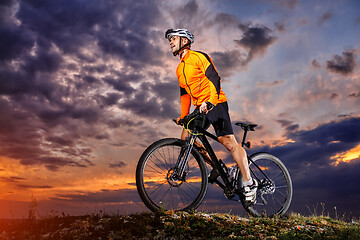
(178, 225)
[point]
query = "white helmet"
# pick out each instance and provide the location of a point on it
(181, 33)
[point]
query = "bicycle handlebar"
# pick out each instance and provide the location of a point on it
(194, 120)
(194, 114)
(190, 116)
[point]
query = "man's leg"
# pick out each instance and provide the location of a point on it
(184, 134)
(240, 157)
(238, 153)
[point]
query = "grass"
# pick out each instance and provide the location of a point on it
(179, 225)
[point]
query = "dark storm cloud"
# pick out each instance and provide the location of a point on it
(14, 42)
(131, 40)
(311, 167)
(256, 39)
(121, 85)
(65, 23)
(60, 140)
(45, 92)
(289, 126)
(89, 114)
(43, 62)
(344, 64)
(347, 131)
(154, 100)
(227, 62)
(110, 98)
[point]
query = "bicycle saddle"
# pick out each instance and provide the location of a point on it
(246, 127)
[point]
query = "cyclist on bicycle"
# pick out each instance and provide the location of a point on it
(200, 83)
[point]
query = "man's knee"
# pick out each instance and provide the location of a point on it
(229, 142)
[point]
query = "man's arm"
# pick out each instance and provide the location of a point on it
(185, 100)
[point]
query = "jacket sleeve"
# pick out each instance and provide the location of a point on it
(185, 100)
(213, 77)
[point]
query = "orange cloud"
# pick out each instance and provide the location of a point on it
(346, 157)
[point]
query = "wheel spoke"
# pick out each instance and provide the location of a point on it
(277, 195)
(161, 188)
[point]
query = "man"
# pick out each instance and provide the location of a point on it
(200, 83)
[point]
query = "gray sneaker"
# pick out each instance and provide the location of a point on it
(250, 193)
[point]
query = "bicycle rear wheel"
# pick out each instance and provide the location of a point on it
(156, 186)
(274, 192)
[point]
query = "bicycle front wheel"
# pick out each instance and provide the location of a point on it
(275, 190)
(156, 186)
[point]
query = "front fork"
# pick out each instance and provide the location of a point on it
(183, 159)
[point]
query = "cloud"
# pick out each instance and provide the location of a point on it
(308, 157)
(325, 17)
(66, 70)
(14, 42)
(154, 100)
(288, 125)
(256, 39)
(119, 164)
(227, 62)
(290, 4)
(12, 179)
(355, 95)
(33, 186)
(272, 84)
(344, 64)
(103, 196)
(280, 26)
(254, 42)
(313, 149)
(315, 64)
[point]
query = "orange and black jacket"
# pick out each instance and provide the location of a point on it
(199, 81)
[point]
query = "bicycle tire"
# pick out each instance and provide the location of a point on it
(157, 190)
(272, 199)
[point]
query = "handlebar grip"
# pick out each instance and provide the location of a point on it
(189, 117)
(181, 121)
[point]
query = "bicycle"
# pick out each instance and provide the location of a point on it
(171, 173)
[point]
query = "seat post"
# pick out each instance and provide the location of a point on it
(244, 137)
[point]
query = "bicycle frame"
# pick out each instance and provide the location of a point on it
(202, 135)
(184, 154)
(214, 159)
(172, 174)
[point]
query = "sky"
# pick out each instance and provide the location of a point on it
(87, 85)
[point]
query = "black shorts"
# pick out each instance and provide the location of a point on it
(220, 119)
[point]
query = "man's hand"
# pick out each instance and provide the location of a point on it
(206, 107)
(177, 120)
